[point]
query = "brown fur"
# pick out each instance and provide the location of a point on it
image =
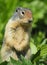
(17, 36)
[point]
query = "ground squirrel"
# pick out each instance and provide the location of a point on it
(17, 35)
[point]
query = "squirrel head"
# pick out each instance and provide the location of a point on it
(24, 15)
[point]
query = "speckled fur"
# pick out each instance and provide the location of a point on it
(17, 35)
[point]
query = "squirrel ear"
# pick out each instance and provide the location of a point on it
(17, 9)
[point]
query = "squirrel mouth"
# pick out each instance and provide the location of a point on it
(26, 24)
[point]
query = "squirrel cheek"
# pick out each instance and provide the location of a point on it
(25, 21)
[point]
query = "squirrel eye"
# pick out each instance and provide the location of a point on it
(22, 12)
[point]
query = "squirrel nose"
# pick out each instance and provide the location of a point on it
(29, 21)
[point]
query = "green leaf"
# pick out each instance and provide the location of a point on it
(4, 63)
(33, 47)
(15, 62)
(43, 50)
(25, 61)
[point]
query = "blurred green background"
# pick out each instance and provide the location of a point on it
(39, 25)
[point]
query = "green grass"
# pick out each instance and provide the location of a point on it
(38, 43)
